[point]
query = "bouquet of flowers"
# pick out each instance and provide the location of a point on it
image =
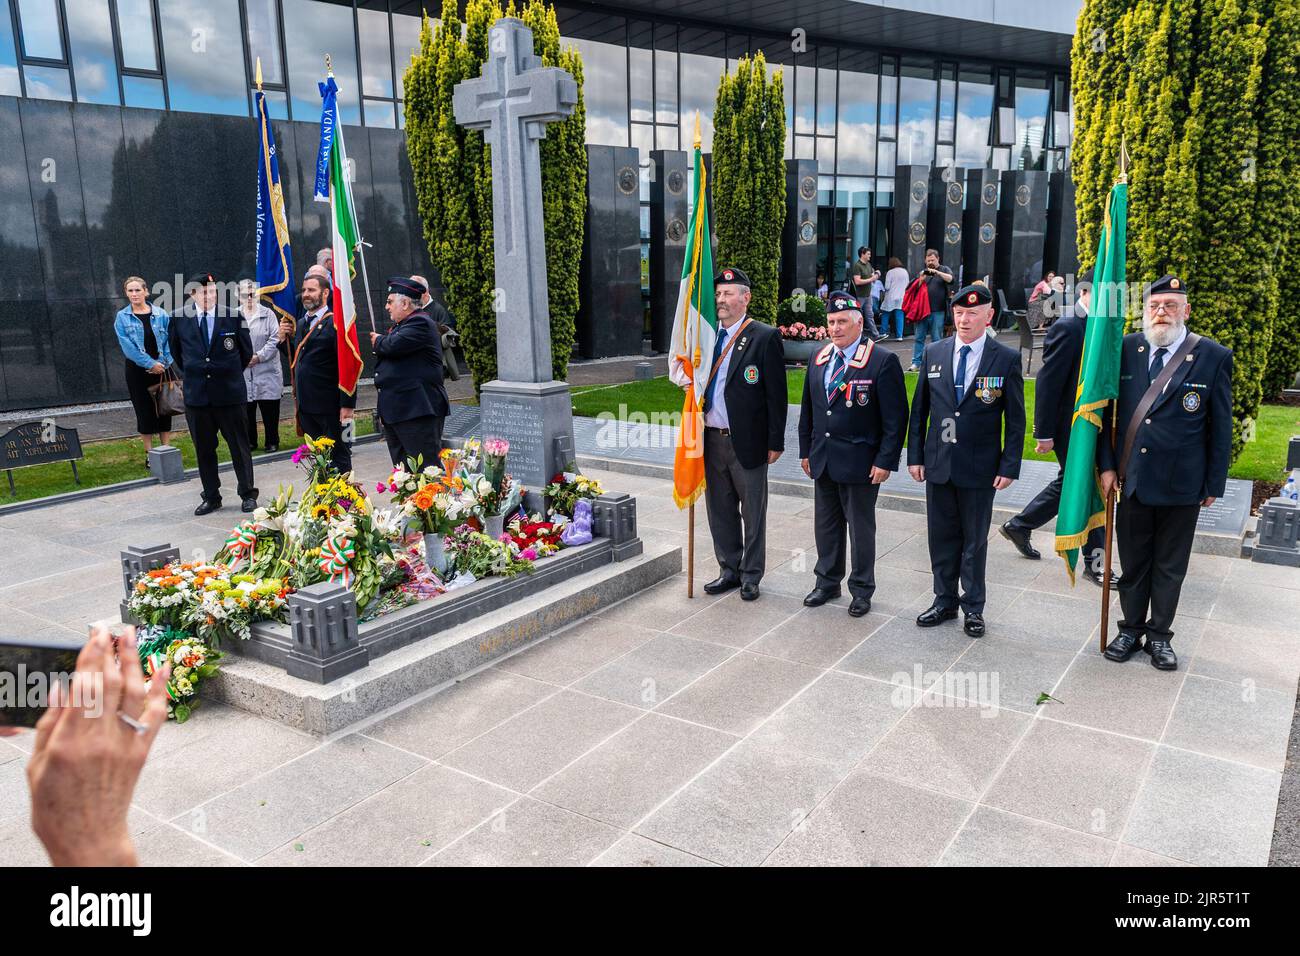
(534, 537)
(566, 489)
(436, 501)
(268, 542)
(206, 600)
(314, 456)
(192, 663)
(497, 492)
(480, 555)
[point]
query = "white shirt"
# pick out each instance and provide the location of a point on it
(1170, 349)
(896, 281)
(716, 416)
(314, 317)
(972, 360)
(830, 363)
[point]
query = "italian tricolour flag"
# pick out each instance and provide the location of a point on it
(332, 185)
(695, 329)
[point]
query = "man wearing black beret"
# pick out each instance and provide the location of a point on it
(744, 431)
(851, 429)
(1172, 438)
(1054, 397)
(965, 442)
(212, 348)
(412, 401)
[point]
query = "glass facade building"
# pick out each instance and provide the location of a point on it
(867, 88)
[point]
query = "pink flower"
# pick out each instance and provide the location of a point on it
(380, 488)
(528, 554)
(304, 451)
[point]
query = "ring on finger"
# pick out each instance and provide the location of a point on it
(139, 726)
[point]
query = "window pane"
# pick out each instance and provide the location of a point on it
(643, 141)
(974, 115)
(665, 87)
(804, 147)
(947, 104)
(135, 27)
(205, 57)
(1031, 118)
(885, 162)
(376, 59)
(853, 196)
(277, 104)
(916, 94)
(640, 64)
(406, 43)
(804, 79)
(826, 101)
(700, 77)
(312, 29)
(143, 92)
(888, 97)
(605, 91)
(9, 82)
(48, 83)
(40, 29)
(380, 113)
(856, 137)
(94, 64)
(264, 40)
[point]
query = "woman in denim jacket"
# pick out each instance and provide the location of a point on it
(142, 333)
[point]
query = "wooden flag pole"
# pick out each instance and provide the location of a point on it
(1105, 583)
(690, 551)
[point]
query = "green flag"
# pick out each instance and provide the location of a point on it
(1082, 507)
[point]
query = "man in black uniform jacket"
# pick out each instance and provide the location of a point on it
(1054, 397)
(212, 348)
(323, 406)
(851, 432)
(408, 375)
(970, 385)
(744, 432)
(1174, 440)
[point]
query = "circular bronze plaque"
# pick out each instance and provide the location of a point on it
(808, 188)
(987, 233)
(1022, 195)
(627, 180)
(916, 233)
(990, 193)
(676, 182)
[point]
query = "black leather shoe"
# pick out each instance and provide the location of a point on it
(206, 507)
(1122, 648)
(1163, 657)
(935, 615)
(819, 596)
(859, 606)
(1021, 540)
(271, 449)
(749, 592)
(1097, 577)
(249, 505)
(974, 625)
(721, 585)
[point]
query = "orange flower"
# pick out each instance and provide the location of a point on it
(424, 498)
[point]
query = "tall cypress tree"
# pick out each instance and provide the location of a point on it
(749, 178)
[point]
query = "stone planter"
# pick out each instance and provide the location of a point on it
(801, 350)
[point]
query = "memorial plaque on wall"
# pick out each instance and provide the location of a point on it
(1061, 252)
(980, 225)
(944, 216)
(911, 207)
(1022, 233)
(670, 220)
(611, 317)
(799, 235)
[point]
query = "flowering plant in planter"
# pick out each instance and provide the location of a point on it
(799, 332)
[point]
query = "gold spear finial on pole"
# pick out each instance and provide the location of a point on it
(258, 78)
(1123, 159)
(697, 129)
(329, 67)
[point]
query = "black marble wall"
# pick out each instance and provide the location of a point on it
(980, 225)
(911, 209)
(799, 234)
(611, 316)
(1022, 231)
(92, 194)
(670, 221)
(1061, 252)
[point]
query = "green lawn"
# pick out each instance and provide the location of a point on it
(108, 462)
(1262, 459)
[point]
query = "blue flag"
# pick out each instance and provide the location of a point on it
(274, 259)
(329, 118)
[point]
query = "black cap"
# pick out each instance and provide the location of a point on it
(401, 285)
(731, 276)
(842, 302)
(201, 278)
(1167, 284)
(972, 295)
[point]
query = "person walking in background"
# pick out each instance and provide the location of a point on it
(937, 279)
(141, 329)
(861, 278)
(263, 377)
(891, 302)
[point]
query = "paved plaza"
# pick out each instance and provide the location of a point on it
(667, 731)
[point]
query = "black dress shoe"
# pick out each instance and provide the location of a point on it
(249, 505)
(1021, 540)
(819, 596)
(859, 606)
(974, 625)
(1097, 577)
(271, 449)
(749, 592)
(935, 615)
(721, 585)
(206, 507)
(1122, 648)
(1163, 657)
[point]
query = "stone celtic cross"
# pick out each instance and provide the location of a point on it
(512, 101)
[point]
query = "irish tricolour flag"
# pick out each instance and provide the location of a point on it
(695, 328)
(333, 187)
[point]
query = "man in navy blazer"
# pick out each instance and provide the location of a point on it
(1176, 463)
(211, 348)
(851, 430)
(965, 442)
(1054, 397)
(322, 405)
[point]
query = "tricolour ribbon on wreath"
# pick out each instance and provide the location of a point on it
(336, 555)
(241, 543)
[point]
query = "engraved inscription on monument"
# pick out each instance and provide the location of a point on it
(518, 424)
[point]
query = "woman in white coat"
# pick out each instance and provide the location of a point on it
(263, 376)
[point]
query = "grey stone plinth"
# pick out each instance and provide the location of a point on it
(643, 371)
(614, 517)
(537, 419)
(1277, 536)
(166, 464)
(1293, 453)
(323, 623)
(135, 562)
